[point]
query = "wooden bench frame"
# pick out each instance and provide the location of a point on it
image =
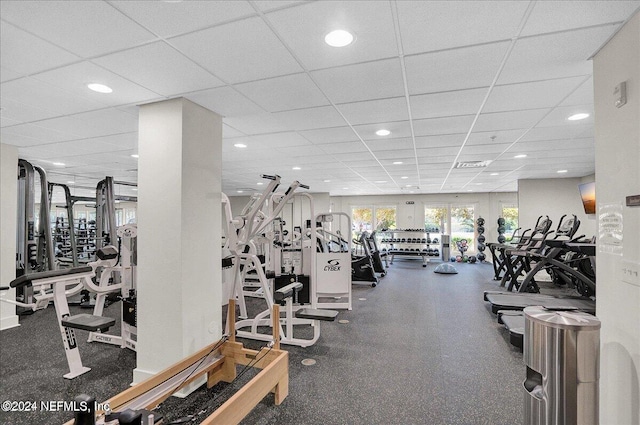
(219, 365)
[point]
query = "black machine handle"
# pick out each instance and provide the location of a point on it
(265, 176)
(304, 186)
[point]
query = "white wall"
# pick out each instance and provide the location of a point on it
(8, 220)
(617, 132)
(555, 198)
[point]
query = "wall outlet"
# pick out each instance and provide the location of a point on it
(629, 272)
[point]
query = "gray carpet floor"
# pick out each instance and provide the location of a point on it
(420, 348)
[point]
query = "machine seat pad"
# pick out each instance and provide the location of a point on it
(88, 322)
(316, 314)
(108, 252)
(27, 279)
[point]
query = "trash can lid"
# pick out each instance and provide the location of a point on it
(565, 319)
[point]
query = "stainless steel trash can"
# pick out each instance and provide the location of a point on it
(562, 356)
(446, 251)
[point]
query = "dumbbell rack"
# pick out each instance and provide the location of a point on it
(411, 243)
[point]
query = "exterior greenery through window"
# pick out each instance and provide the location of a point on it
(385, 218)
(362, 219)
(463, 226)
(510, 215)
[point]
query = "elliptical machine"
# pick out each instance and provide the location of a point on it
(362, 267)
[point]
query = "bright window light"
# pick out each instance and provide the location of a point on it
(338, 38)
(240, 145)
(383, 132)
(100, 88)
(576, 117)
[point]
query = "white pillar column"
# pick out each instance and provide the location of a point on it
(8, 219)
(179, 233)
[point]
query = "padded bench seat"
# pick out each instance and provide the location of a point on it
(316, 314)
(88, 322)
(27, 279)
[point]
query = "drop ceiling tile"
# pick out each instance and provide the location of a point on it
(436, 105)
(449, 70)
(552, 56)
(344, 148)
(276, 140)
(486, 149)
(94, 124)
(29, 91)
(225, 101)
(6, 121)
(7, 74)
(390, 144)
(73, 79)
(533, 95)
(120, 141)
(330, 135)
(424, 29)
(374, 111)
(228, 131)
(497, 121)
(364, 81)
(304, 27)
(480, 138)
(254, 54)
(39, 132)
(25, 54)
(582, 96)
(171, 18)
(159, 68)
(556, 133)
(86, 28)
(385, 155)
(398, 129)
(256, 123)
(268, 5)
(559, 16)
(307, 119)
(558, 117)
(284, 93)
(445, 140)
(445, 125)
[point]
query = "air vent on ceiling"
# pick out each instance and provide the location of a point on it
(473, 164)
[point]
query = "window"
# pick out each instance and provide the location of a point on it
(463, 227)
(361, 220)
(436, 219)
(510, 215)
(385, 218)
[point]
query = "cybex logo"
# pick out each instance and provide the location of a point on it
(332, 266)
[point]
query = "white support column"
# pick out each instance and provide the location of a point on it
(179, 233)
(8, 219)
(617, 132)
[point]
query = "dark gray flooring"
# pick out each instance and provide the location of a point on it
(420, 348)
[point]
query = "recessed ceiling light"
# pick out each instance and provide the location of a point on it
(576, 117)
(409, 185)
(326, 181)
(562, 171)
(135, 155)
(494, 174)
(259, 183)
(240, 191)
(296, 168)
(135, 189)
(60, 164)
(397, 163)
(338, 38)
(240, 145)
(70, 182)
(520, 156)
(380, 181)
(404, 177)
(469, 190)
(345, 188)
(383, 132)
(100, 88)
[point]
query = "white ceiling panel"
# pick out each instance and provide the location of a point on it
(423, 28)
(41, 97)
(254, 54)
(484, 149)
(397, 129)
(390, 144)
(6, 121)
(345, 148)
(284, 93)
(553, 56)
(310, 118)
(374, 111)
(482, 138)
(227, 102)
(556, 133)
(25, 54)
(22, 112)
(74, 79)
(559, 16)
(90, 27)
(256, 123)
(121, 141)
(160, 68)
(275, 140)
(559, 115)
(39, 132)
(7, 74)
(330, 135)
(582, 96)
(539, 94)
(95, 123)
(463, 102)
(169, 18)
(230, 132)
(370, 22)
(445, 125)
(443, 140)
(399, 154)
(364, 81)
(509, 120)
(268, 5)
(455, 69)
